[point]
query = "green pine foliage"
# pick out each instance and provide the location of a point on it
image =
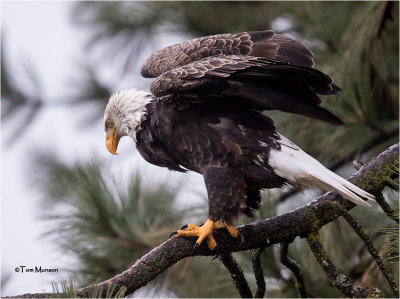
(17, 101)
(66, 289)
(107, 228)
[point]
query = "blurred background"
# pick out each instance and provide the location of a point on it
(68, 204)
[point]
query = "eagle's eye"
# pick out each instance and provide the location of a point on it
(108, 124)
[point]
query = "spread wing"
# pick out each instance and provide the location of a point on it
(265, 84)
(264, 44)
(268, 71)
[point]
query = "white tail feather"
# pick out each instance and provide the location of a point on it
(302, 170)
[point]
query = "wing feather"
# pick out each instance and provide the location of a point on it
(265, 44)
(265, 84)
(270, 71)
(216, 66)
(239, 67)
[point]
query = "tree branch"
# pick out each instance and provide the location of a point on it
(295, 268)
(374, 253)
(387, 208)
(372, 177)
(237, 275)
(338, 279)
(258, 272)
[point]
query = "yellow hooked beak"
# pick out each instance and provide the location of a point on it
(112, 140)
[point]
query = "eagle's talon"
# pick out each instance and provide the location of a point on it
(217, 252)
(205, 232)
(201, 232)
(175, 232)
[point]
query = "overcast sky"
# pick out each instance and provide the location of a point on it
(42, 34)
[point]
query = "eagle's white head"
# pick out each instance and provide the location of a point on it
(124, 113)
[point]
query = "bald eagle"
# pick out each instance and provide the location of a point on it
(205, 114)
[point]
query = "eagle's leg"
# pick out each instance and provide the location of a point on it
(205, 232)
(226, 194)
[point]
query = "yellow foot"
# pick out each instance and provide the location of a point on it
(231, 229)
(205, 232)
